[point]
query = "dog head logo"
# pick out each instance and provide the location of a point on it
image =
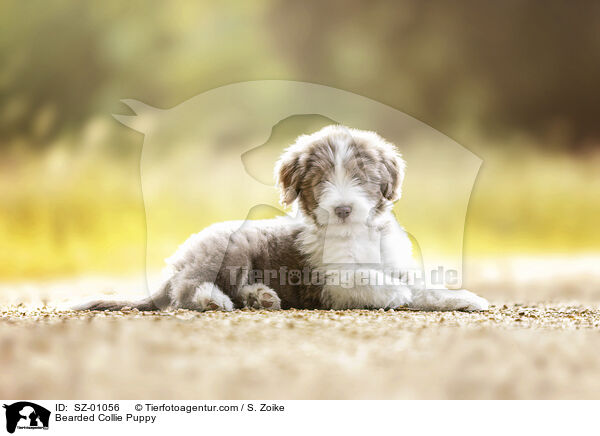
(26, 415)
(185, 146)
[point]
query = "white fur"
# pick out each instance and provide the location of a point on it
(444, 299)
(367, 246)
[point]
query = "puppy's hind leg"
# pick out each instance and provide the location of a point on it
(208, 296)
(260, 296)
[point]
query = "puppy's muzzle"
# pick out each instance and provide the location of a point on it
(343, 211)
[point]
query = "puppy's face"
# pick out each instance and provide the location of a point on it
(340, 176)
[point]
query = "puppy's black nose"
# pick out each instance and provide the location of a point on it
(343, 211)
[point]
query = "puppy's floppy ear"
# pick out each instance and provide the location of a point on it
(392, 176)
(288, 172)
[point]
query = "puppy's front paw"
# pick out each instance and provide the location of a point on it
(259, 296)
(401, 297)
(470, 302)
(210, 297)
(445, 299)
(268, 299)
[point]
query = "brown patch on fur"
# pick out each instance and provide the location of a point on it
(318, 167)
(390, 177)
(289, 178)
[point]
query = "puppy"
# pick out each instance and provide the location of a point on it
(342, 250)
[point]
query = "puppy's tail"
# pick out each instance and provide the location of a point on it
(158, 301)
(145, 304)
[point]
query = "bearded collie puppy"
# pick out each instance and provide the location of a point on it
(342, 250)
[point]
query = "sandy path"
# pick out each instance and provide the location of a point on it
(546, 347)
(546, 351)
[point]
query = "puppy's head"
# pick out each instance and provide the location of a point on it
(340, 175)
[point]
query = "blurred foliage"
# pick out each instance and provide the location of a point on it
(496, 66)
(514, 81)
(65, 62)
(500, 66)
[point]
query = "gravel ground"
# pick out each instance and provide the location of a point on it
(544, 349)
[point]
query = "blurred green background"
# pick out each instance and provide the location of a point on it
(516, 82)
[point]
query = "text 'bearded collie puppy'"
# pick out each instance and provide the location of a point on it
(343, 249)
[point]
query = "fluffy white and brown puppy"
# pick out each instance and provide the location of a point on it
(342, 250)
